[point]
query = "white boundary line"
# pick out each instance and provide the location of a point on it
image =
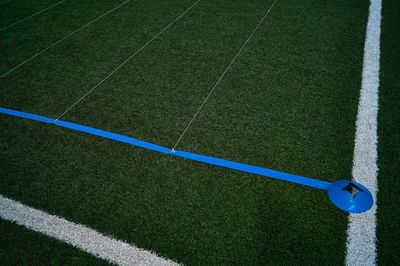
(79, 236)
(361, 232)
(28, 17)
(62, 39)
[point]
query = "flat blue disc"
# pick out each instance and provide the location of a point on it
(350, 196)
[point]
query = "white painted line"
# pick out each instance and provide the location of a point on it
(361, 240)
(62, 39)
(31, 16)
(79, 236)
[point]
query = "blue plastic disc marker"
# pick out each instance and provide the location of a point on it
(350, 196)
(344, 194)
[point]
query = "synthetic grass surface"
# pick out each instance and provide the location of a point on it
(26, 39)
(22, 9)
(288, 103)
(389, 138)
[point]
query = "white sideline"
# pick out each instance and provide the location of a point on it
(79, 236)
(361, 232)
(28, 17)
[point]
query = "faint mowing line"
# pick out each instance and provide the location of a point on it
(361, 232)
(126, 61)
(223, 74)
(62, 39)
(80, 236)
(37, 13)
(5, 2)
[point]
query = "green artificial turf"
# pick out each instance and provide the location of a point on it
(389, 138)
(20, 246)
(24, 8)
(22, 41)
(289, 103)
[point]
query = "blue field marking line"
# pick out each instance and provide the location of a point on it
(301, 180)
(26, 115)
(306, 181)
(113, 136)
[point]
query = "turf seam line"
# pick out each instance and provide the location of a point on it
(301, 180)
(31, 16)
(78, 235)
(361, 232)
(62, 39)
(222, 76)
(126, 61)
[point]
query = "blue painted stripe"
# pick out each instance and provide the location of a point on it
(255, 170)
(26, 115)
(306, 181)
(113, 136)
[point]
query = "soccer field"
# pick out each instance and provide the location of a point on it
(274, 84)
